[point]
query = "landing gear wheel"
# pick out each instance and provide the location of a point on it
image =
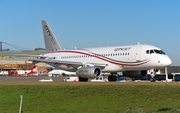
(112, 78)
(83, 79)
(153, 79)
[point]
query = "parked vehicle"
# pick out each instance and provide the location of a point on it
(121, 78)
(177, 77)
(71, 79)
(4, 73)
(99, 79)
(46, 80)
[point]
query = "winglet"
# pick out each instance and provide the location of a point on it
(51, 42)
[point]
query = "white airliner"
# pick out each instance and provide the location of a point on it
(133, 60)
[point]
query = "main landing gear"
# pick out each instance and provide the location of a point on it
(112, 77)
(83, 79)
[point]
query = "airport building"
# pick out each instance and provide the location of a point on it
(23, 66)
(9, 63)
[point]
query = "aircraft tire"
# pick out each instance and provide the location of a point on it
(112, 78)
(83, 79)
(153, 79)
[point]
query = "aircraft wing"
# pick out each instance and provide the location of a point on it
(62, 62)
(27, 55)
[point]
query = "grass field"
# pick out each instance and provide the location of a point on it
(87, 97)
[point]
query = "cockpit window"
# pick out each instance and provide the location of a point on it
(151, 51)
(155, 51)
(159, 51)
(147, 51)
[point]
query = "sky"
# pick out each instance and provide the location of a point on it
(93, 23)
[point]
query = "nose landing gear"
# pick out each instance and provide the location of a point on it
(152, 74)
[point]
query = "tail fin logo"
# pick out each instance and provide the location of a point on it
(52, 40)
(50, 35)
(46, 28)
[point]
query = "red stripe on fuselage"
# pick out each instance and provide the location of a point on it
(100, 58)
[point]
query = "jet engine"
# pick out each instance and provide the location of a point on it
(135, 74)
(89, 72)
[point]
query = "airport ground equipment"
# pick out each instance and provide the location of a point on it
(46, 80)
(99, 79)
(71, 79)
(58, 72)
(176, 77)
(3, 73)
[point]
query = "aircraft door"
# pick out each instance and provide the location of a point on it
(138, 54)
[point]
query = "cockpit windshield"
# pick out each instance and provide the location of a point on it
(155, 51)
(159, 52)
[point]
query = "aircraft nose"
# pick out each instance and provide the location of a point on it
(166, 61)
(169, 62)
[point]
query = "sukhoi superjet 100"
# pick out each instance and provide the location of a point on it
(132, 60)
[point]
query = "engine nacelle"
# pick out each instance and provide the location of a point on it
(89, 72)
(135, 74)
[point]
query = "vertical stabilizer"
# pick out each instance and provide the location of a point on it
(33, 70)
(50, 40)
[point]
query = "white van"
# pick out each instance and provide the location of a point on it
(99, 79)
(71, 79)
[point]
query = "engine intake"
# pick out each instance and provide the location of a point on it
(89, 72)
(135, 74)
